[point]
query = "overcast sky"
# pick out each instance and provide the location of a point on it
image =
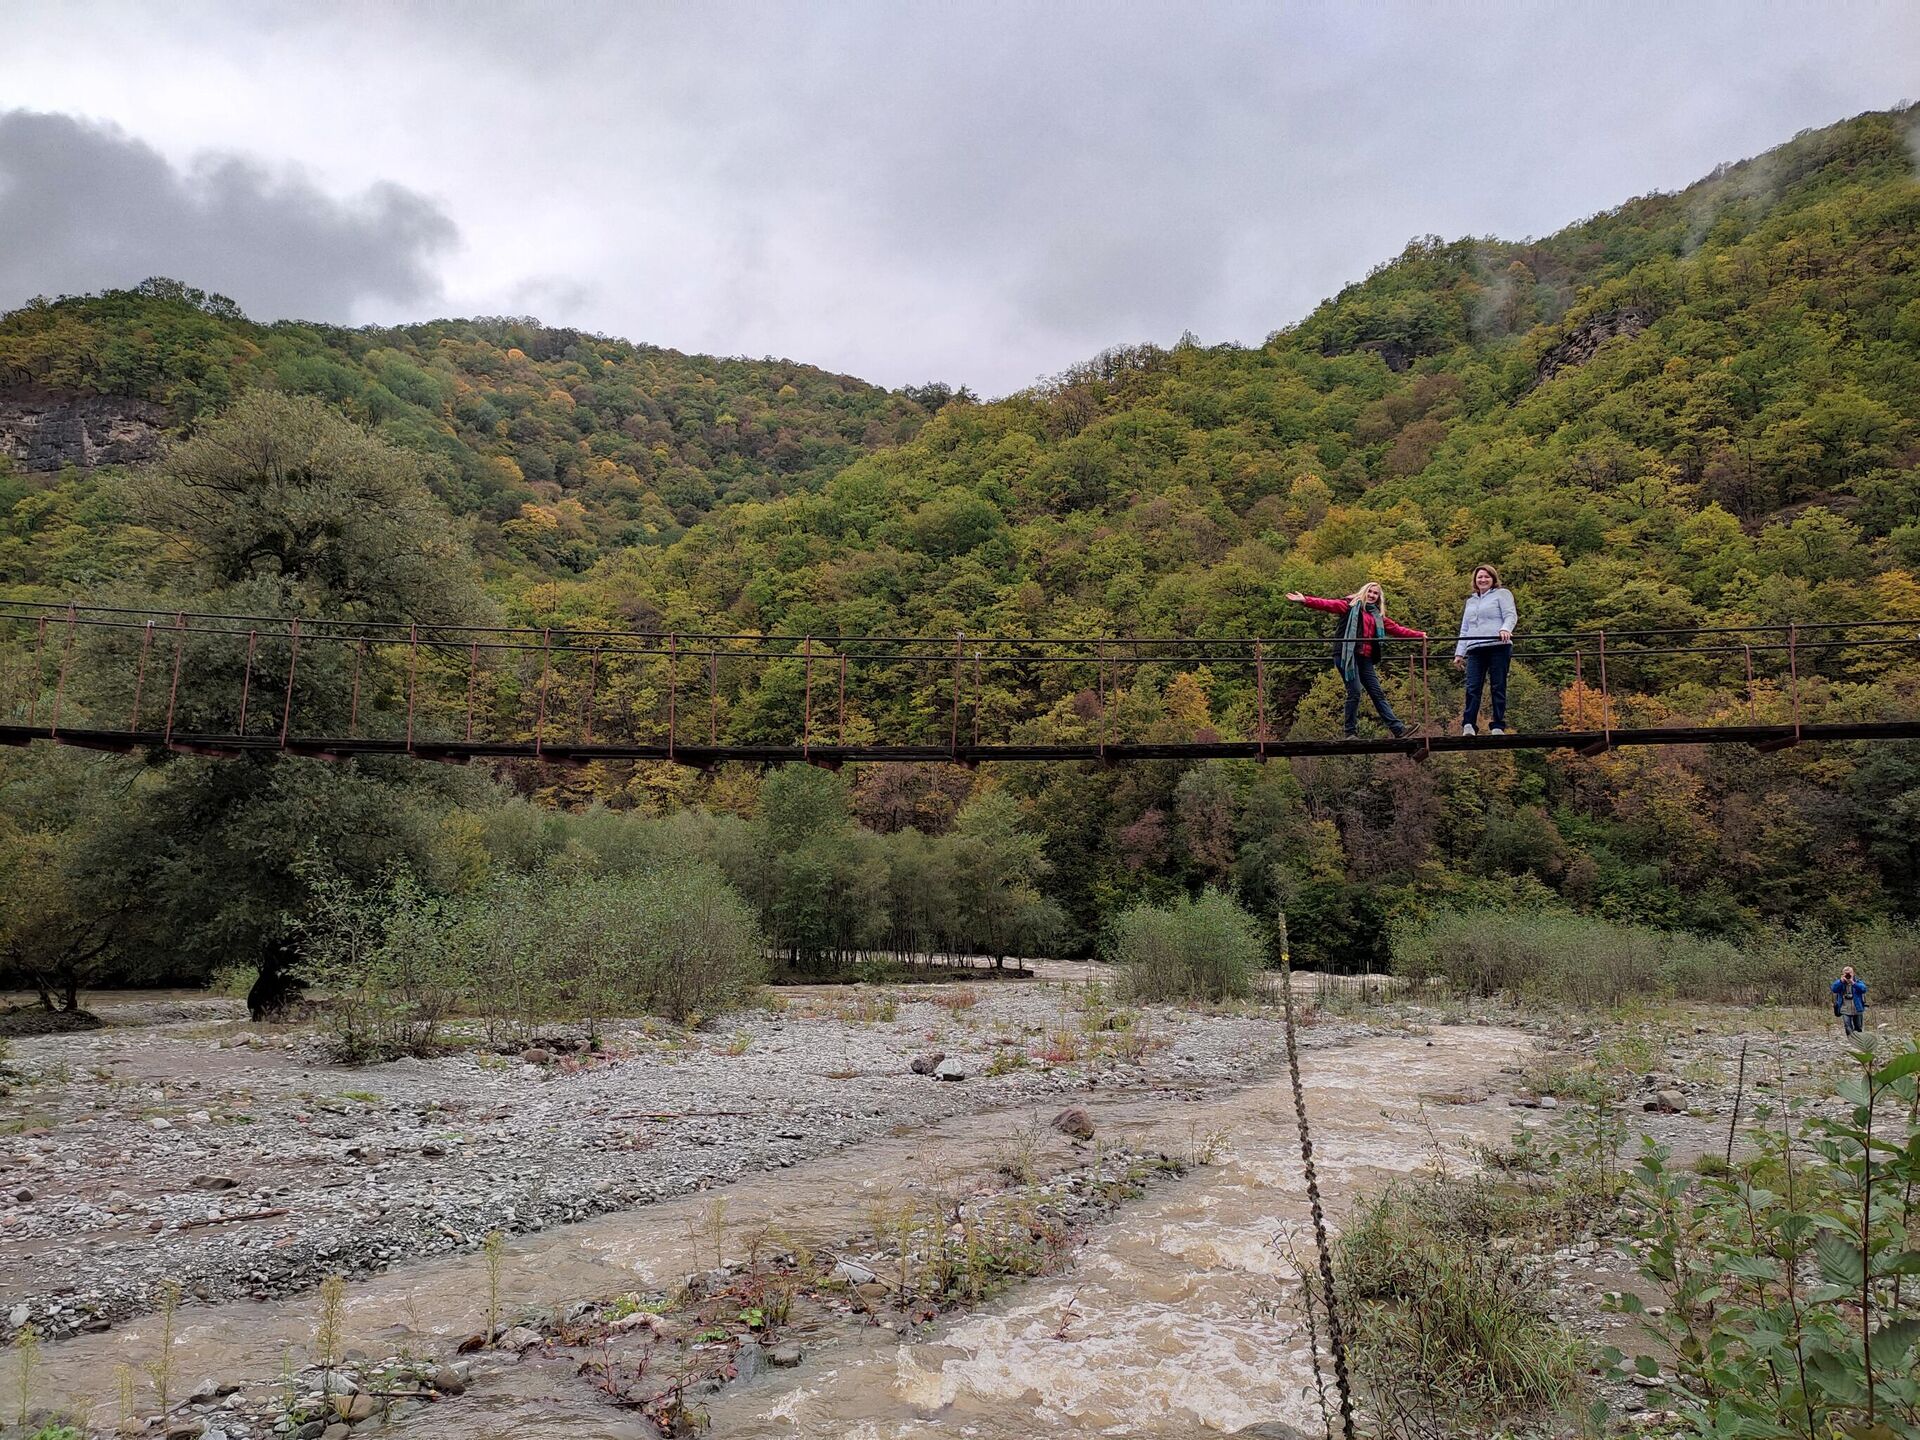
(978, 193)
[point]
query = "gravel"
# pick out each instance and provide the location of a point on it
(231, 1160)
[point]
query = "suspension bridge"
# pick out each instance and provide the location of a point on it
(124, 680)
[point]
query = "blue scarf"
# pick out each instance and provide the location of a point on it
(1346, 653)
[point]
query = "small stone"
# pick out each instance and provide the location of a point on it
(949, 1070)
(18, 1316)
(433, 1150)
(785, 1357)
(854, 1273)
(355, 1408)
(928, 1063)
(1547, 1102)
(205, 1392)
(535, 1055)
(23, 1195)
(749, 1359)
(1074, 1121)
(447, 1380)
(519, 1338)
(213, 1182)
(1670, 1102)
(160, 1122)
(338, 1430)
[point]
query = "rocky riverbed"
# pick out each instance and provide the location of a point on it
(181, 1146)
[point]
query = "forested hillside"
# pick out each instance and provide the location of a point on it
(562, 446)
(1698, 408)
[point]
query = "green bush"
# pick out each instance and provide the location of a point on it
(1578, 959)
(1791, 1308)
(1204, 949)
(394, 966)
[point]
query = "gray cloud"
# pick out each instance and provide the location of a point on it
(982, 192)
(84, 206)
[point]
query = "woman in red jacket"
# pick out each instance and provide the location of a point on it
(1358, 649)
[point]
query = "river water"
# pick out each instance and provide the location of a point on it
(1178, 1316)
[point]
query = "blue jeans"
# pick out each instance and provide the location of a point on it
(1364, 674)
(1484, 663)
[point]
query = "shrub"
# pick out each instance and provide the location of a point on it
(1583, 960)
(1790, 1307)
(1451, 1326)
(395, 965)
(1204, 949)
(1888, 958)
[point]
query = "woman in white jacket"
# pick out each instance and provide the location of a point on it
(1485, 650)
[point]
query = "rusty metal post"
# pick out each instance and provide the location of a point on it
(293, 664)
(953, 732)
(39, 654)
(473, 671)
(353, 703)
(1426, 696)
(1606, 695)
(713, 695)
(540, 712)
(976, 698)
(140, 675)
(841, 733)
(1793, 670)
(1260, 699)
(806, 713)
(673, 690)
(1106, 685)
(60, 682)
(413, 678)
(1753, 707)
(179, 647)
(246, 681)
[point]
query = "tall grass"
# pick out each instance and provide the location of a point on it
(1204, 949)
(1452, 1329)
(1543, 956)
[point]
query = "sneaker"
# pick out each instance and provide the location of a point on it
(1351, 735)
(1400, 732)
(1496, 730)
(1466, 730)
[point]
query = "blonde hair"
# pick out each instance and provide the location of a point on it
(1354, 598)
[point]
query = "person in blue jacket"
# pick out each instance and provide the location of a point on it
(1850, 1001)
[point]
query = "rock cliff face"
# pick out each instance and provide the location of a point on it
(1587, 338)
(41, 430)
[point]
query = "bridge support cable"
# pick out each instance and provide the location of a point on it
(351, 687)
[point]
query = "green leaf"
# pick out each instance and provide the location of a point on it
(1841, 1262)
(1898, 1068)
(1646, 1365)
(1889, 1344)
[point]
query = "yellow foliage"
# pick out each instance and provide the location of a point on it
(1188, 699)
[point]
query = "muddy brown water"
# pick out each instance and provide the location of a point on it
(1177, 1317)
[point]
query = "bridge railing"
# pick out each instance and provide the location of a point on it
(121, 677)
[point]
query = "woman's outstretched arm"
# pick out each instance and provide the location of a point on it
(1314, 602)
